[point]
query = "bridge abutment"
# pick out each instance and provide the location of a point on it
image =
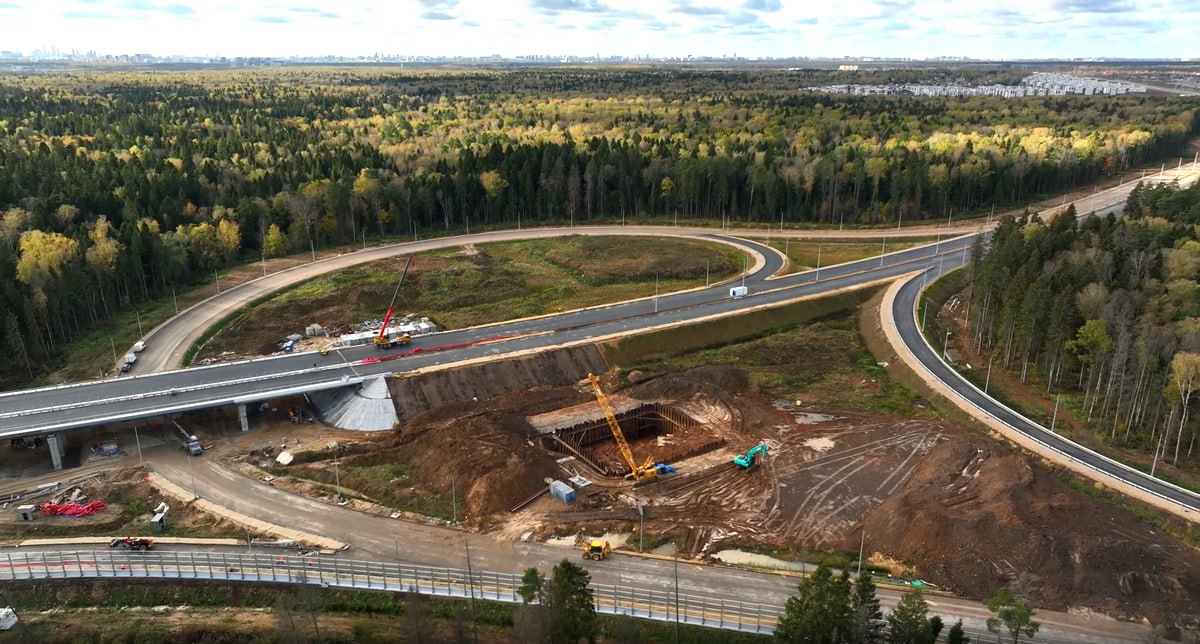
(242, 417)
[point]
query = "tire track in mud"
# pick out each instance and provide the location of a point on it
(835, 497)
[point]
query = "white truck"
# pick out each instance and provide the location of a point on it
(738, 291)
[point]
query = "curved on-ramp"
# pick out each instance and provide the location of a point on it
(902, 327)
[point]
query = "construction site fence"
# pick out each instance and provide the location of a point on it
(326, 572)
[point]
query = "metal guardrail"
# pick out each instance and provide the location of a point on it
(1130, 475)
(327, 572)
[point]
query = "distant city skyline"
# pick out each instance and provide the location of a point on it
(918, 29)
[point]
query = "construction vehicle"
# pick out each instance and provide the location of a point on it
(132, 543)
(752, 457)
(644, 472)
(388, 339)
(597, 550)
(189, 441)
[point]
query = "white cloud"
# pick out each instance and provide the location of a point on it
(980, 28)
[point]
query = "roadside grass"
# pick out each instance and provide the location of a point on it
(493, 283)
(805, 254)
(808, 350)
(386, 485)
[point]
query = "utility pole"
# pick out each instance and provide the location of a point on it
(745, 268)
(945, 344)
(139, 321)
(988, 380)
(175, 300)
(263, 256)
(818, 263)
(114, 348)
(882, 250)
(217, 281)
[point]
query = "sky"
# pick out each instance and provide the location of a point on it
(659, 28)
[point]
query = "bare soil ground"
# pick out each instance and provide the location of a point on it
(949, 504)
(130, 501)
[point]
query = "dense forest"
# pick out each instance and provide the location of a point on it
(1107, 309)
(119, 186)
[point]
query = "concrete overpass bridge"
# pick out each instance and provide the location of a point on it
(50, 411)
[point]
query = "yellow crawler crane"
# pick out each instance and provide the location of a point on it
(643, 472)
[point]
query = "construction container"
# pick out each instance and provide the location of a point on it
(26, 512)
(562, 492)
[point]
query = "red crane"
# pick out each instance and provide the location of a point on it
(383, 341)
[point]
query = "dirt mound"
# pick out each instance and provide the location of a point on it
(485, 456)
(976, 516)
(452, 389)
(715, 380)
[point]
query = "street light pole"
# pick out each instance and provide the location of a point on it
(656, 292)
(139, 321)
(861, 542)
(818, 263)
(988, 380)
(337, 479)
(1054, 418)
(945, 345)
(138, 441)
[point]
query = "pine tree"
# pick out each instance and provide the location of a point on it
(820, 612)
(867, 620)
(571, 605)
(956, 634)
(1012, 613)
(909, 623)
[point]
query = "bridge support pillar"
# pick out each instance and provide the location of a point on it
(242, 417)
(57, 442)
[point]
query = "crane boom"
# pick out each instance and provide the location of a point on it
(392, 305)
(638, 473)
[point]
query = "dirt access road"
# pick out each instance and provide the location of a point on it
(383, 539)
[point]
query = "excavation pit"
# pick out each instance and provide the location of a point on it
(656, 430)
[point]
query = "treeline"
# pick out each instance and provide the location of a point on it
(118, 187)
(1105, 308)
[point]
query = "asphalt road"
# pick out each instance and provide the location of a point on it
(41, 410)
(905, 319)
(383, 539)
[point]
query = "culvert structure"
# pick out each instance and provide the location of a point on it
(591, 440)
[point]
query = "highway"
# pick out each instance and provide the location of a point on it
(38, 411)
(903, 313)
